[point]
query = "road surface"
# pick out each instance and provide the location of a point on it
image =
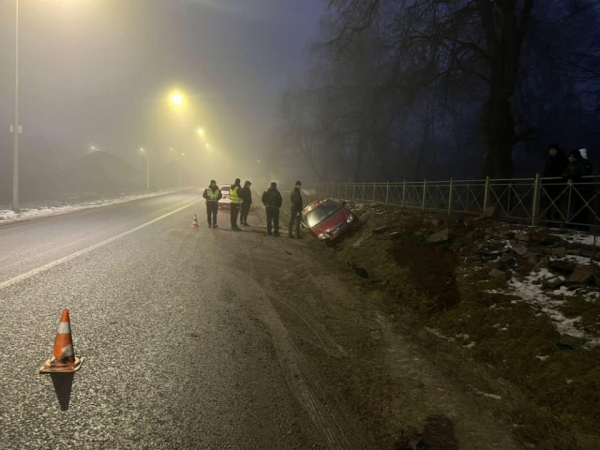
(201, 338)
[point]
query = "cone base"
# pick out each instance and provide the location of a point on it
(53, 367)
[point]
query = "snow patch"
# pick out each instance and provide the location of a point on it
(9, 216)
(530, 291)
(579, 238)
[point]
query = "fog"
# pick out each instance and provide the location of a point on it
(97, 76)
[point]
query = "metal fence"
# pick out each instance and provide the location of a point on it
(550, 201)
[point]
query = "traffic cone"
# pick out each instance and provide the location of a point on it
(195, 222)
(63, 358)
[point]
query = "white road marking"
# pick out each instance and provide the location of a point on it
(89, 249)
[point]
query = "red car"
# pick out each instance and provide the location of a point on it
(328, 220)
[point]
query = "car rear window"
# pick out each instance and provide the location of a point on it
(322, 212)
(225, 188)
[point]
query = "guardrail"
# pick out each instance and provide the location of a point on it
(550, 201)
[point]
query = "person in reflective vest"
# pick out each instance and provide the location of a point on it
(236, 201)
(212, 194)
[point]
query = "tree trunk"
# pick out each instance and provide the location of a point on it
(499, 127)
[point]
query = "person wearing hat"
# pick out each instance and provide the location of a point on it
(272, 200)
(236, 201)
(246, 194)
(212, 194)
(295, 210)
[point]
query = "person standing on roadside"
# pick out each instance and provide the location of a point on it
(236, 201)
(272, 200)
(212, 194)
(556, 163)
(295, 210)
(578, 211)
(246, 194)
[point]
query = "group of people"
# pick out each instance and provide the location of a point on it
(572, 167)
(241, 199)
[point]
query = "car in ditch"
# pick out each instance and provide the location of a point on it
(225, 202)
(327, 219)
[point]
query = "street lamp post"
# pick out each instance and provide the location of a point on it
(15, 199)
(181, 155)
(147, 157)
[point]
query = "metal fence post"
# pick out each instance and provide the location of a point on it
(535, 206)
(363, 192)
(387, 192)
(451, 196)
(486, 193)
(374, 190)
(570, 188)
(424, 194)
(403, 192)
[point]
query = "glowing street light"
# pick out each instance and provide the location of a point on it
(201, 132)
(177, 98)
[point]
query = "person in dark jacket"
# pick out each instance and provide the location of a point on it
(246, 194)
(576, 169)
(556, 163)
(272, 200)
(236, 202)
(212, 194)
(295, 210)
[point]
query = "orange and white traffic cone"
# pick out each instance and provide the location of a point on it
(195, 222)
(63, 357)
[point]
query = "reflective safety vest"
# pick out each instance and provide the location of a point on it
(234, 197)
(212, 196)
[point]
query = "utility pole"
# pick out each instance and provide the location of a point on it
(147, 172)
(181, 155)
(146, 156)
(16, 128)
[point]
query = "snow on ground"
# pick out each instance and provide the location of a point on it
(579, 238)
(9, 216)
(581, 260)
(530, 291)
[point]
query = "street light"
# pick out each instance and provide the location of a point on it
(143, 152)
(201, 132)
(181, 155)
(177, 98)
(16, 129)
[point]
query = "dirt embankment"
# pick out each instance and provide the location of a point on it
(512, 312)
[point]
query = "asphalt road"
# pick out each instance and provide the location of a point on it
(176, 356)
(209, 339)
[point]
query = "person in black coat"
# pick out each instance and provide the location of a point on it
(556, 163)
(578, 194)
(272, 200)
(246, 194)
(296, 210)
